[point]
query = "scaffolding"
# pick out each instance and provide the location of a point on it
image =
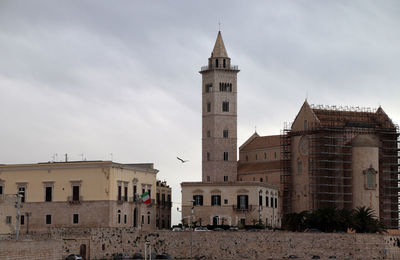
(330, 176)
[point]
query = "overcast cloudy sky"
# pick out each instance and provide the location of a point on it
(121, 77)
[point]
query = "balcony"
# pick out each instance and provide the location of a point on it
(71, 200)
(233, 67)
(242, 207)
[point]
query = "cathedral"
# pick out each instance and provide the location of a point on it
(343, 157)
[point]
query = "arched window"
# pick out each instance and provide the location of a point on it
(216, 63)
(224, 63)
(299, 166)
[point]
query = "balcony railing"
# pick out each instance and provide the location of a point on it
(72, 201)
(233, 67)
(242, 207)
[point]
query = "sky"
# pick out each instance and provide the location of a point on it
(118, 80)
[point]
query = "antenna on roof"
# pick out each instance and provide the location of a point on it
(219, 25)
(112, 156)
(255, 129)
(81, 156)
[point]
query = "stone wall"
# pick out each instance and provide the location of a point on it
(29, 249)
(101, 243)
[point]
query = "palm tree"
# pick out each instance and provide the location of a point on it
(366, 222)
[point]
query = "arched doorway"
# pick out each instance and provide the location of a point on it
(82, 251)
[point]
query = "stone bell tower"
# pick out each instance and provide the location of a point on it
(219, 104)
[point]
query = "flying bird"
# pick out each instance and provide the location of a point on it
(183, 161)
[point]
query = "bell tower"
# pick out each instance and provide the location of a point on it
(219, 112)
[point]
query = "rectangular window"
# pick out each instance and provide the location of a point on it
(22, 220)
(208, 156)
(158, 198)
(1, 190)
(49, 194)
(143, 190)
(148, 219)
(75, 219)
(225, 106)
(276, 202)
(260, 200)
(48, 219)
(163, 199)
(225, 201)
(208, 107)
(149, 192)
(243, 201)
(267, 201)
(75, 193)
(134, 192)
(142, 219)
(169, 198)
(119, 193)
(272, 202)
(126, 193)
(198, 200)
(208, 178)
(209, 88)
(125, 218)
(21, 193)
(225, 156)
(225, 178)
(208, 133)
(215, 200)
(225, 133)
(8, 220)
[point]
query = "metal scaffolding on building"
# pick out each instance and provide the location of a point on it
(330, 174)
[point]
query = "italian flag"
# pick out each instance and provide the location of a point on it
(146, 198)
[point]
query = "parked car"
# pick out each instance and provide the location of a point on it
(312, 230)
(163, 256)
(121, 256)
(137, 256)
(201, 229)
(233, 229)
(73, 257)
(177, 229)
(219, 229)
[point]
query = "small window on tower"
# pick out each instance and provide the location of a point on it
(225, 133)
(225, 178)
(224, 63)
(209, 88)
(208, 133)
(256, 157)
(208, 107)
(225, 156)
(216, 63)
(208, 156)
(225, 106)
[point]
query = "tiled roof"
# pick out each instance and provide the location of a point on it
(258, 167)
(262, 142)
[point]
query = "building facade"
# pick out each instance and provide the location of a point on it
(77, 194)
(221, 198)
(341, 157)
(163, 205)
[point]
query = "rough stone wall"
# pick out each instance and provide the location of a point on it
(236, 245)
(45, 249)
(101, 243)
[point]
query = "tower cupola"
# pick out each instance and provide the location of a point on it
(219, 57)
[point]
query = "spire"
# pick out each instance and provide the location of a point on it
(219, 50)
